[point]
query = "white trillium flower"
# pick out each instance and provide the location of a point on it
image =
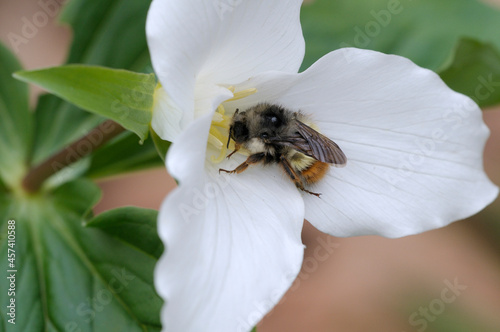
(233, 241)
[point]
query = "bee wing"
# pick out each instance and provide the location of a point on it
(313, 144)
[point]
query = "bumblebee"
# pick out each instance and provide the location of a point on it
(274, 134)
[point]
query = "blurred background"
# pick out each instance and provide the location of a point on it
(447, 280)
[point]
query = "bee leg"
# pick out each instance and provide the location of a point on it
(253, 159)
(294, 176)
(312, 193)
(236, 148)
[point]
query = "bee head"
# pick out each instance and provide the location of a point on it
(259, 126)
(238, 131)
(271, 122)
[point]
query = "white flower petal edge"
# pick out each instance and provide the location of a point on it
(167, 118)
(233, 242)
(414, 146)
(213, 42)
(185, 159)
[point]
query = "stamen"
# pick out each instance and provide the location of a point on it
(218, 117)
(223, 124)
(221, 156)
(221, 120)
(221, 109)
(217, 134)
(242, 94)
(214, 139)
(217, 137)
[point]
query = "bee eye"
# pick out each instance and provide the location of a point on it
(274, 120)
(264, 135)
(239, 132)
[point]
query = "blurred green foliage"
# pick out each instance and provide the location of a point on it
(429, 32)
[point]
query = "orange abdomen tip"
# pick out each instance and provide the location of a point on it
(315, 172)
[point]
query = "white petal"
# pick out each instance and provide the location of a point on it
(220, 42)
(414, 147)
(233, 247)
(167, 117)
(168, 124)
(168, 120)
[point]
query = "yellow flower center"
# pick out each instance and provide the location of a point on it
(219, 130)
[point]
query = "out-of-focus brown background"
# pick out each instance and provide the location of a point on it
(355, 284)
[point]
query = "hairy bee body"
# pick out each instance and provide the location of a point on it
(309, 169)
(273, 134)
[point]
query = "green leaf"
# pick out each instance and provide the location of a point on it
(474, 70)
(109, 160)
(455, 319)
(15, 123)
(424, 31)
(123, 96)
(57, 123)
(132, 225)
(108, 33)
(161, 145)
(74, 278)
(70, 277)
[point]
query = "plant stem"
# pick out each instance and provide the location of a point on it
(77, 150)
